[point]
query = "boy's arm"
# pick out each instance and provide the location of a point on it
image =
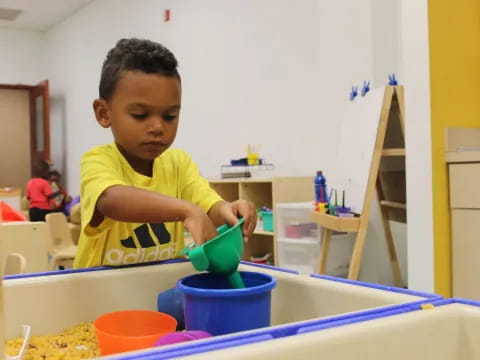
(106, 194)
(130, 204)
(197, 190)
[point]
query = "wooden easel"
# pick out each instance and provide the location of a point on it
(387, 178)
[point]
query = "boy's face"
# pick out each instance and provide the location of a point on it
(143, 113)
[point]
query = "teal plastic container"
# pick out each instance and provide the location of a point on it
(267, 217)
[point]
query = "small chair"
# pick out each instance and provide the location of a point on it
(24, 206)
(60, 245)
(15, 264)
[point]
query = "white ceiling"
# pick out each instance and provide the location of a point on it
(39, 15)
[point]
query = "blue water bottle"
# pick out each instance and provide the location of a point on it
(320, 188)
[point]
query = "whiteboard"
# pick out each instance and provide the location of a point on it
(357, 143)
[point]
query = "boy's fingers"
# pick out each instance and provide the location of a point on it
(250, 222)
(230, 218)
(213, 232)
(248, 229)
(247, 211)
(198, 240)
(196, 233)
(228, 213)
(251, 227)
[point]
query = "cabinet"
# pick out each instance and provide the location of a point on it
(463, 159)
(265, 192)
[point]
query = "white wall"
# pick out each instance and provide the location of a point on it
(23, 60)
(253, 72)
(386, 59)
(415, 62)
(262, 72)
(22, 57)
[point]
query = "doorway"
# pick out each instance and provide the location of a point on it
(25, 131)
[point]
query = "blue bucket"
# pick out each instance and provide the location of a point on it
(211, 305)
(171, 302)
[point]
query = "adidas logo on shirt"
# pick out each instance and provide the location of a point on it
(149, 250)
(144, 237)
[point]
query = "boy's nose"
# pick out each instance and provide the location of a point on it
(156, 127)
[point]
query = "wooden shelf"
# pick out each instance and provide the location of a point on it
(393, 204)
(263, 232)
(259, 193)
(335, 223)
(393, 152)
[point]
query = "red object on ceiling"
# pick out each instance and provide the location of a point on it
(167, 15)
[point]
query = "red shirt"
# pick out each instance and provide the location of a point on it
(38, 190)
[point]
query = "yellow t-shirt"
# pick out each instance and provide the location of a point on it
(119, 243)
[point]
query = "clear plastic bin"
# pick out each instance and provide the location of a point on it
(301, 255)
(293, 221)
(299, 242)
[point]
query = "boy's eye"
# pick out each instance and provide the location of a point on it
(139, 116)
(169, 117)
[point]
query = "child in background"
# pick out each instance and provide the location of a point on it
(137, 191)
(39, 192)
(62, 198)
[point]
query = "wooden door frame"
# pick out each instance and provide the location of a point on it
(30, 89)
(46, 117)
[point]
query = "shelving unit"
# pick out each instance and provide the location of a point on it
(265, 192)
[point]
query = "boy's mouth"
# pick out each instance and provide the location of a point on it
(154, 143)
(154, 146)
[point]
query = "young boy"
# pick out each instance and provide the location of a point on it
(137, 191)
(39, 192)
(62, 198)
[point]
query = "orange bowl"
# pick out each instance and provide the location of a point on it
(129, 330)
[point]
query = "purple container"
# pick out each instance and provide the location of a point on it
(179, 337)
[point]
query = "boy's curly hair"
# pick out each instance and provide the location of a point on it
(135, 54)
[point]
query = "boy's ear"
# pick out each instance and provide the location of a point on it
(102, 112)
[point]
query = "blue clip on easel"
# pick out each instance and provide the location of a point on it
(392, 80)
(366, 87)
(353, 93)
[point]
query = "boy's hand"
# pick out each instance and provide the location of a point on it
(199, 225)
(230, 212)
